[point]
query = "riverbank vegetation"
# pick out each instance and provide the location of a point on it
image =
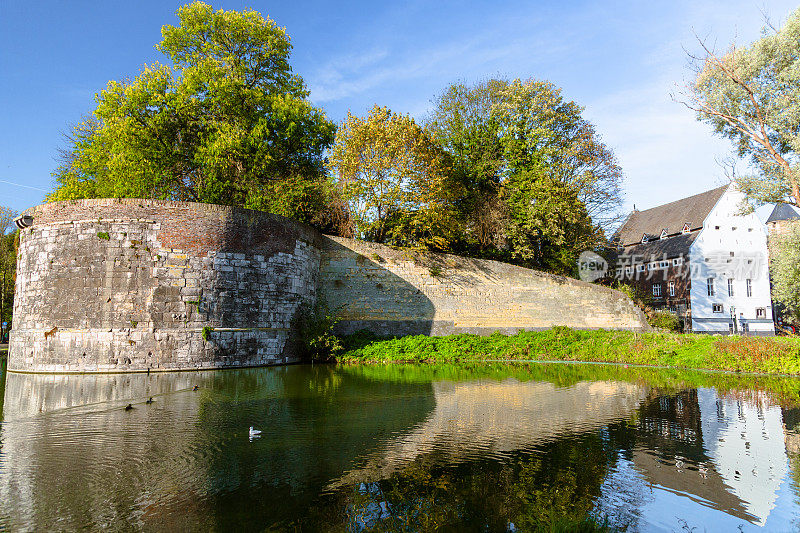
(688, 351)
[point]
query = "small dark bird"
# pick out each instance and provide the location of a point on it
(149, 400)
(128, 407)
(195, 387)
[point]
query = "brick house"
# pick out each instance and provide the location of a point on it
(700, 258)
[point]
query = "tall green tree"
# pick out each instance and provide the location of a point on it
(396, 179)
(751, 95)
(226, 122)
(8, 264)
(784, 256)
(540, 185)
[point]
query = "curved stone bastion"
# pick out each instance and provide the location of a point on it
(148, 285)
(136, 285)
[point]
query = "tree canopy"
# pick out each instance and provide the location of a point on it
(395, 178)
(227, 122)
(8, 262)
(751, 95)
(539, 184)
(785, 270)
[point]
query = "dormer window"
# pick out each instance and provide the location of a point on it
(663, 234)
(644, 238)
(686, 228)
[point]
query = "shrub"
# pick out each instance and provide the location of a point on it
(315, 327)
(664, 320)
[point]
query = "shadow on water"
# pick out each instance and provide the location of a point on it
(413, 448)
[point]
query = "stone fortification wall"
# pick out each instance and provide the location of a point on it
(130, 285)
(138, 285)
(391, 292)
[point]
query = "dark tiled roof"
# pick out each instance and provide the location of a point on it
(671, 246)
(783, 212)
(672, 216)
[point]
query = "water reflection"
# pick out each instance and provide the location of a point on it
(412, 448)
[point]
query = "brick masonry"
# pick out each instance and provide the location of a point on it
(129, 285)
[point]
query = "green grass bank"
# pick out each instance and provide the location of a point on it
(771, 355)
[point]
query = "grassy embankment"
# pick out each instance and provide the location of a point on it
(774, 355)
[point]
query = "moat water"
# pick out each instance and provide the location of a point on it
(402, 448)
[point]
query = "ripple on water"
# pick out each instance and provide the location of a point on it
(186, 462)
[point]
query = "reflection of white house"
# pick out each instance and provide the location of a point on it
(745, 442)
(725, 285)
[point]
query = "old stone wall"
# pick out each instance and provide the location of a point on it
(391, 292)
(148, 285)
(130, 285)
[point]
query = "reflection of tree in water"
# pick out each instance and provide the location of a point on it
(316, 423)
(553, 488)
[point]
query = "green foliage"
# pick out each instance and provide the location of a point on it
(395, 178)
(640, 297)
(664, 320)
(226, 123)
(738, 354)
(315, 331)
(8, 263)
(538, 184)
(103, 235)
(206, 333)
(751, 95)
(785, 270)
(435, 271)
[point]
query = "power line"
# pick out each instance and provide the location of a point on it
(25, 186)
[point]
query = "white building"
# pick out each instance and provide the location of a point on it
(701, 258)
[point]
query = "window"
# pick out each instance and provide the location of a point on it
(672, 288)
(640, 268)
(716, 227)
(749, 288)
(656, 289)
(663, 234)
(664, 264)
(730, 287)
(644, 238)
(749, 229)
(761, 312)
(717, 308)
(628, 270)
(677, 261)
(685, 228)
(733, 229)
(710, 282)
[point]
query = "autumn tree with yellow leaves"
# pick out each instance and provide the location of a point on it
(396, 180)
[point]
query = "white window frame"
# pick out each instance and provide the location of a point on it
(678, 261)
(730, 287)
(672, 288)
(761, 312)
(749, 288)
(656, 289)
(717, 308)
(710, 284)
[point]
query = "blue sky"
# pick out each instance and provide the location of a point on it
(620, 60)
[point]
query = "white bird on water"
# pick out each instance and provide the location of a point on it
(254, 432)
